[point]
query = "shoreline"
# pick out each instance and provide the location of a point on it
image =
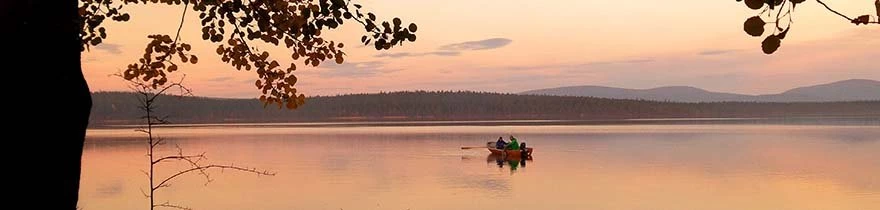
(795, 120)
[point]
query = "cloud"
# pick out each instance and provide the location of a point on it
(109, 189)
(716, 52)
(454, 49)
(406, 54)
(617, 62)
(223, 79)
(88, 59)
(485, 44)
(110, 48)
(578, 66)
(354, 69)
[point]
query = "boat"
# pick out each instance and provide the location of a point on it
(508, 153)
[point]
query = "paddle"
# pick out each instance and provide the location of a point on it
(473, 147)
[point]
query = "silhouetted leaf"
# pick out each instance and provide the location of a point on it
(754, 26)
(291, 104)
(413, 27)
(339, 59)
(194, 59)
(95, 41)
(785, 32)
(774, 3)
(797, 1)
(172, 68)
(770, 44)
(755, 4)
(864, 19)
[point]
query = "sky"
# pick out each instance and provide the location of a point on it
(513, 46)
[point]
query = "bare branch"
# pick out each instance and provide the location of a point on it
(182, 17)
(832, 10)
(168, 205)
(144, 193)
(176, 157)
(844, 16)
(202, 168)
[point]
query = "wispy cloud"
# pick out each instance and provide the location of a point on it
(355, 69)
(224, 79)
(454, 49)
(577, 66)
(89, 59)
(716, 52)
(618, 62)
(406, 54)
(110, 48)
(485, 44)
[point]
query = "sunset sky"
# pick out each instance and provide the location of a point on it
(513, 46)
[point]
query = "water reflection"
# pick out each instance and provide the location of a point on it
(724, 167)
(512, 163)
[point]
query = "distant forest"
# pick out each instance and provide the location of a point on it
(117, 108)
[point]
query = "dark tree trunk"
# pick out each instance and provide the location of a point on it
(54, 97)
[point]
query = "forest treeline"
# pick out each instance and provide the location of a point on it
(116, 108)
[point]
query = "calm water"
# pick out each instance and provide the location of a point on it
(574, 167)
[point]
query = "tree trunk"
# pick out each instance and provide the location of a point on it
(54, 96)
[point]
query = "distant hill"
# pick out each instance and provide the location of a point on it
(120, 108)
(847, 90)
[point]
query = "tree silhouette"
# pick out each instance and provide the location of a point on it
(780, 11)
(50, 36)
(147, 97)
(295, 24)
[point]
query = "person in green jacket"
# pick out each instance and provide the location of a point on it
(513, 145)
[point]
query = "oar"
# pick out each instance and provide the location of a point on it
(473, 147)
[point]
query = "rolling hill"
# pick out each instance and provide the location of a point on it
(846, 90)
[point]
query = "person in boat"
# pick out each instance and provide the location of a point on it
(500, 144)
(513, 145)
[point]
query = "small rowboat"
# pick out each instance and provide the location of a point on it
(509, 153)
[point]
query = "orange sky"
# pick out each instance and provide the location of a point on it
(532, 44)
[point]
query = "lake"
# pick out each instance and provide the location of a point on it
(639, 166)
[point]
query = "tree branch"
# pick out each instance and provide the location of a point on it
(202, 168)
(832, 10)
(168, 205)
(144, 193)
(185, 8)
(177, 157)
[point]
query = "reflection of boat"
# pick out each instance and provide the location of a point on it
(527, 152)
(512, 162)
(497, 157)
